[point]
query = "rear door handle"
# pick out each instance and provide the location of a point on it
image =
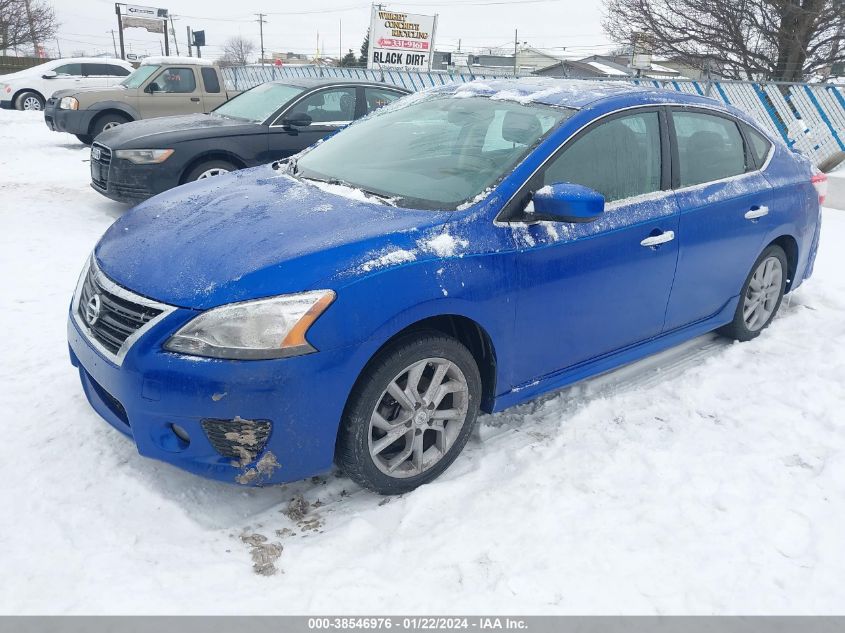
(195, 98)
(756, 212)
(657, 240)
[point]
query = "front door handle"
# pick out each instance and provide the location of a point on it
(195, 99)
(657, 240)
(756, 212)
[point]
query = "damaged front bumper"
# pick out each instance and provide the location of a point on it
(244, 422)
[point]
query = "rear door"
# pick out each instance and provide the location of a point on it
(330, 110)
(377, 97)
(174, 90)
(725, 213)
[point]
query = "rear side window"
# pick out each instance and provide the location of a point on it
(378, 97)
(619, 159)
(760, 145)
(209, 80)
(709, 148)
(115, 71)
(104, 70)
(335, 105)
(69, 69)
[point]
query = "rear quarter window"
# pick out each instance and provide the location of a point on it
(760, 146)
(210, 81)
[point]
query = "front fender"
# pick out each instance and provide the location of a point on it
(120, 106)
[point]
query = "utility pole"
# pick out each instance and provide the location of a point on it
(173, 31)
(166, 37)
(340, 43)
(120, 30)
(515, 49)
(31, 27)
(261, 22)
(113, 41)
(59, 47)
(190, 52)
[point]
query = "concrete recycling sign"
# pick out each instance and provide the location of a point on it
(402, 41)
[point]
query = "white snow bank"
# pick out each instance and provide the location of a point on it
(836, 188)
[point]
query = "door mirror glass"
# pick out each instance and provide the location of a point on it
(297, 119)
(153, 87)
(565, 202)
(50, 74)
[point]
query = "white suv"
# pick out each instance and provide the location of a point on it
(29, 89)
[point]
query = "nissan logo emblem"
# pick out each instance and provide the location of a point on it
(92, 310)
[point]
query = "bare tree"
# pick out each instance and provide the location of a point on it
(237, 51)
(25, 23)
(785, 40)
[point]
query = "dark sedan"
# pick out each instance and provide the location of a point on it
(275, 120)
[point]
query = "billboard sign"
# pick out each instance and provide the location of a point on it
(403, 41)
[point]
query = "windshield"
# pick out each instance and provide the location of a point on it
(139, 76)
(259, 103)
(435, 153)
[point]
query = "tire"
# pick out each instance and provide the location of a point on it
(209, 169)
(749, 321)
(106, 122)
(29, 100)
(430, 442)
(87, 139)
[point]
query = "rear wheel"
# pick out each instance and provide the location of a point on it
(209, 169)
(410, 414)
(761, 296)
(29, 101)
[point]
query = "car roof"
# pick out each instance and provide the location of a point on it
(89, 60)
(569, 93)
(312, 82)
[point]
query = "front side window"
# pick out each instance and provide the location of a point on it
(175, 80)
(434, 153)
(69, 69)
(328, 106)
(709, 148)
(378, 97)
(619, 158)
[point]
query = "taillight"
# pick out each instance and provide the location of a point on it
(819, 181)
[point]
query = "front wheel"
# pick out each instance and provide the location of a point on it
(86, 139)
(209, 169)
(410, 414)
(30, 101)
(106, 122)
(761, 296)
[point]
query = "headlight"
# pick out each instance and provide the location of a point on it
(252, 330)
(69, 103)
(144, 156)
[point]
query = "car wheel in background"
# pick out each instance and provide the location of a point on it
(105, 122)
(410, 413)
(29, 101)
(209, 169)
(761, 296)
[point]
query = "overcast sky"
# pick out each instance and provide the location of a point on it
(294, 26)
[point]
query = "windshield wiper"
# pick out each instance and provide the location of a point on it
(336, 181)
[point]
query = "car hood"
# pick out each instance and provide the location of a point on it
(256, 233)
(139, 134)
(87, 96)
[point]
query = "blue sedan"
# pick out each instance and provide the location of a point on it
(462, 250)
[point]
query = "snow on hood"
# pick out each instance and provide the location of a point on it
(176, 128)
(257, 233)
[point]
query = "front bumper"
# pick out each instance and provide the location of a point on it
(152, 390)
(7, 105)
(124, 181)
(70, 121)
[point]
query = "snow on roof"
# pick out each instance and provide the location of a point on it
(608, 70)
(573, 93)
(195, 61)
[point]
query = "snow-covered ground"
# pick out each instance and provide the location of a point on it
(710, 479)
(836, 187)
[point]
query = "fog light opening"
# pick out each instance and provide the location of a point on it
(181, 434)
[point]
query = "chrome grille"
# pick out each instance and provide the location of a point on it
(111, 316)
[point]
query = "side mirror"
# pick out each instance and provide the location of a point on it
(50, 74)
(297, 119)
(152, 87)
(566, 202)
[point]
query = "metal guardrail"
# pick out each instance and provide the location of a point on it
(808, 117)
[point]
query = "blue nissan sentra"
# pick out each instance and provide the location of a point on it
(464, 249)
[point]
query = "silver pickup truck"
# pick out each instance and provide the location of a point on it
(161, 86)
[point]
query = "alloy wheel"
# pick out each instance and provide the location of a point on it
(110, 125)
(761, 298)
(214, 171)
(31, 103)
(418, 417)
